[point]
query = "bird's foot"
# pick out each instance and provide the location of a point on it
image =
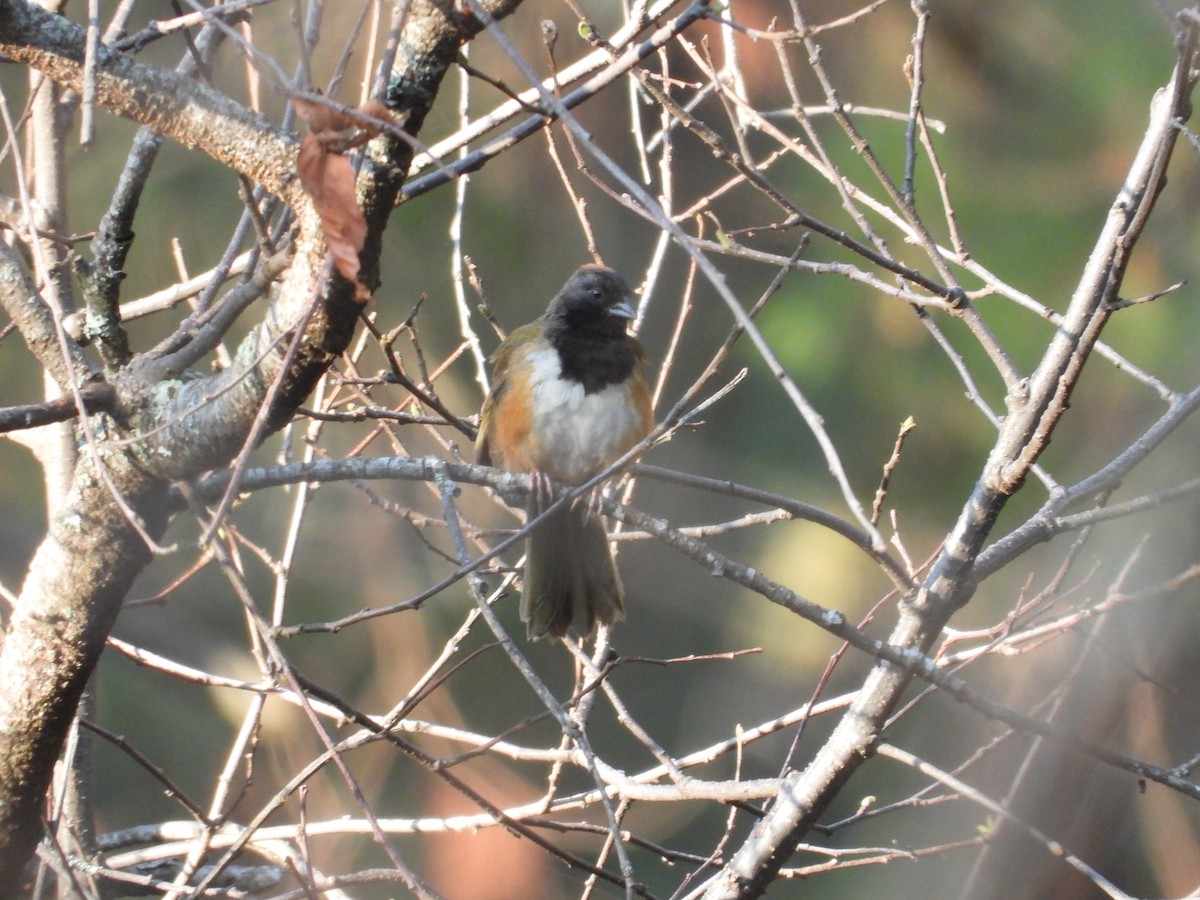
(591, 502)
(541, 491)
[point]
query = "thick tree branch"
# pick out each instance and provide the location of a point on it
(66, 608)
(170, 104)
(165, 414)
(84, 568)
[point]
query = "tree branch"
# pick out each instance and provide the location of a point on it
(84, 568)
(20, 299)
(950, 583)
(96, 397)
(911, 661)
(174, 105)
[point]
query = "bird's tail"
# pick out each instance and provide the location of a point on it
(569, 570)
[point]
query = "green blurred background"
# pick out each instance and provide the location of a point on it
(1044, 105)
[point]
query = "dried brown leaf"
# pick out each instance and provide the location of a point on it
(327, 175)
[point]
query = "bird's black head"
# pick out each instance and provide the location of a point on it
(596, 300)
(586, 323)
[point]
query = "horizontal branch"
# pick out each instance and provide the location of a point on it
(158, 301)
(422, 469)
(95, 397)
(797, 508)
(907, 660)
(157, 29)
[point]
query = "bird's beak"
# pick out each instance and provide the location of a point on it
(623, 310)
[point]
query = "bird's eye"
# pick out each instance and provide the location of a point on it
(596, 293)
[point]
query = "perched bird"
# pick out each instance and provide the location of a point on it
(568, 398)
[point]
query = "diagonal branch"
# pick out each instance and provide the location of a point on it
(1025, 433)
(20, 298)
(83, 569)
(912, 661)
(171, 104)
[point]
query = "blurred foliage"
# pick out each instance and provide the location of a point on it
(1044, 105)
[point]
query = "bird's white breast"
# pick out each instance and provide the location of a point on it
(577, 434)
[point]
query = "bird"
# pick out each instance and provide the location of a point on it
(568, 399)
